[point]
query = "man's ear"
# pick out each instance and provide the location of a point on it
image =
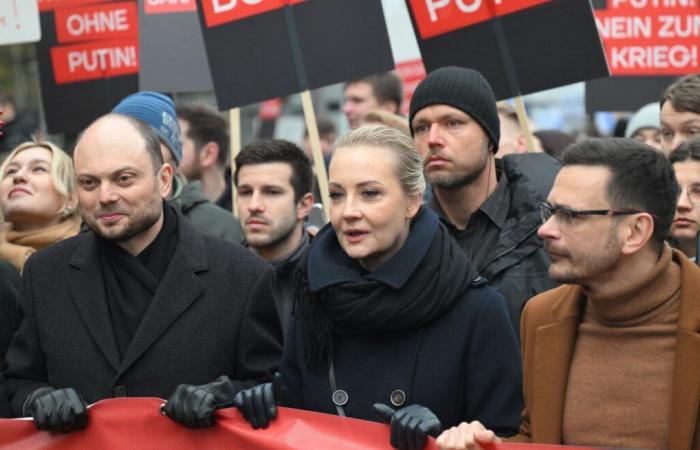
(208, 154)
(304, 205)
(165, 179)
(637, 232)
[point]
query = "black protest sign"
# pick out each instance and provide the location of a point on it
(520, 46)
(88, 59)
(259, 50)
(648, 43)
(173, 58)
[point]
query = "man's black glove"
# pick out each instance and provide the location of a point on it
(410, 426)
(194, 406)
(258, 405)
(56, 409)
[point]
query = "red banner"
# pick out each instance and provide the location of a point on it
(435, 17)
(50, 5)
(103, 59)
(651, 38)
(411, 73)
(101, 21)
(169, 6)
(217, 12)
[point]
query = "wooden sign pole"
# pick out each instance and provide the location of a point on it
(524, 123)
(315, 141)
(235, 134)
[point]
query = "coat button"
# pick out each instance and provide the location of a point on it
(398, 397)
(340, 397)
(120, 391)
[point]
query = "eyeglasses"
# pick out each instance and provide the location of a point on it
(565, 215)
(693, 193)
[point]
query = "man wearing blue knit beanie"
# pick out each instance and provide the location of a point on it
(158, 111)
(488, 204)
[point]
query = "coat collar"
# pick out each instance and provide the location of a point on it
(179, 288)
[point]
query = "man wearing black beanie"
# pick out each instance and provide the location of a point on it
(488, 204)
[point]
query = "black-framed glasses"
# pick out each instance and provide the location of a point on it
(566, 215)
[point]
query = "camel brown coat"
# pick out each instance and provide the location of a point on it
(548, 334)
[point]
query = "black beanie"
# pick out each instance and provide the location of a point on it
(464, 89)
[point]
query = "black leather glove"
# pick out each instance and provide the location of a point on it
(258, 405)
(56, 409)
(410, 426)
(194, 406)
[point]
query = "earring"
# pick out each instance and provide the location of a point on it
(66, 212)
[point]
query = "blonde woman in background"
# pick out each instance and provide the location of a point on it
(38, 200)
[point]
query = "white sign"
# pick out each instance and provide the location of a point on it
(19, 21)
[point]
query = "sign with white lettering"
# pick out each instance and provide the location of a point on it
(262, 49)
(19, 21)
(169, 6)
(520, 46)
(88, 59)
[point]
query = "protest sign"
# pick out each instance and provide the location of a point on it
(19, 21)
(648, 42)
(88, 59)
(520, 46)
(173, 57)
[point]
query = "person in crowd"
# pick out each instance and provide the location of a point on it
(158, 111)
(274, 183)
(327, 134)
(645, 125)
(489, 205)
(680, 112)
(554, 142)
(512, 138)
(686, 223)
(18, 126)
(380, 91)
(141, 302)
(610, 359)
(38, 200)
(389, 312)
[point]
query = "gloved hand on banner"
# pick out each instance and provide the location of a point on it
(194, 406)
(410, 426)
(258, 405)
(58, 410)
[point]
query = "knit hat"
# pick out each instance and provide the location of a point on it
(649, 116)
(158, 111)
(464, 89)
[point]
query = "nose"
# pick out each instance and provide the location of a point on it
(255, 203)
(106, 194)
(678, 139)
(20, 176)
(351, 211)
(435, 137)
(548, 230)
(683, 201)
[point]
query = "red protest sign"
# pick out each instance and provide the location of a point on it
(436, 17)
(101, 21)
(50, 5)
(169, 6)
(217, 12)
(644, 37)
(103, 59)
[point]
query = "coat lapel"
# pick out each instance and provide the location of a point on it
(685, 396)
(87, 290)
(554, 350)
(179, 288)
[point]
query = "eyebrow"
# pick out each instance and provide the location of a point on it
(111, 174)
(33, 161)
(685, 122)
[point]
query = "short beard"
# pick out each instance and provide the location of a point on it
(140, 223)
(457, 181)
(278, 238)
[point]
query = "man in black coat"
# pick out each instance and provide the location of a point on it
(141, 302)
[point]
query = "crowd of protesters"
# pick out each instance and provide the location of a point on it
(466, 287)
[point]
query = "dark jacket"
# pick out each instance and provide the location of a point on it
(203, 214)
(517, 265)
(213, 314)
(9, 321)
(464, 365)
(284, 280)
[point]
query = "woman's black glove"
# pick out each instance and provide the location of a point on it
(258, 405)
(56, 409)
(194, 406)
(410, 426)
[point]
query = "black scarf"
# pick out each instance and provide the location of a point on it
(132, 281)
(415, 286)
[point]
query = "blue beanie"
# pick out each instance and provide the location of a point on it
(158, 111)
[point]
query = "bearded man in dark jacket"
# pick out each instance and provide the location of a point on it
(489, 205)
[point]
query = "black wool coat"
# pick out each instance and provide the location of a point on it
(9, 321)
(213, 314)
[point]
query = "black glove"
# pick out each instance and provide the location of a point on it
(194, 406)
(258, 405)
(410, 426)
(56, 409)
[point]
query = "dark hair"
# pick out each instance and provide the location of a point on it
(386, 87)
(684, 94)
(206, 125)
(688, 150)
(277, 150)
(554, 142)
(325, 127)
(641, 178)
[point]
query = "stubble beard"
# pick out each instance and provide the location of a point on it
(458, 180)
(140, 221)
(591, 265)
(277, 237)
